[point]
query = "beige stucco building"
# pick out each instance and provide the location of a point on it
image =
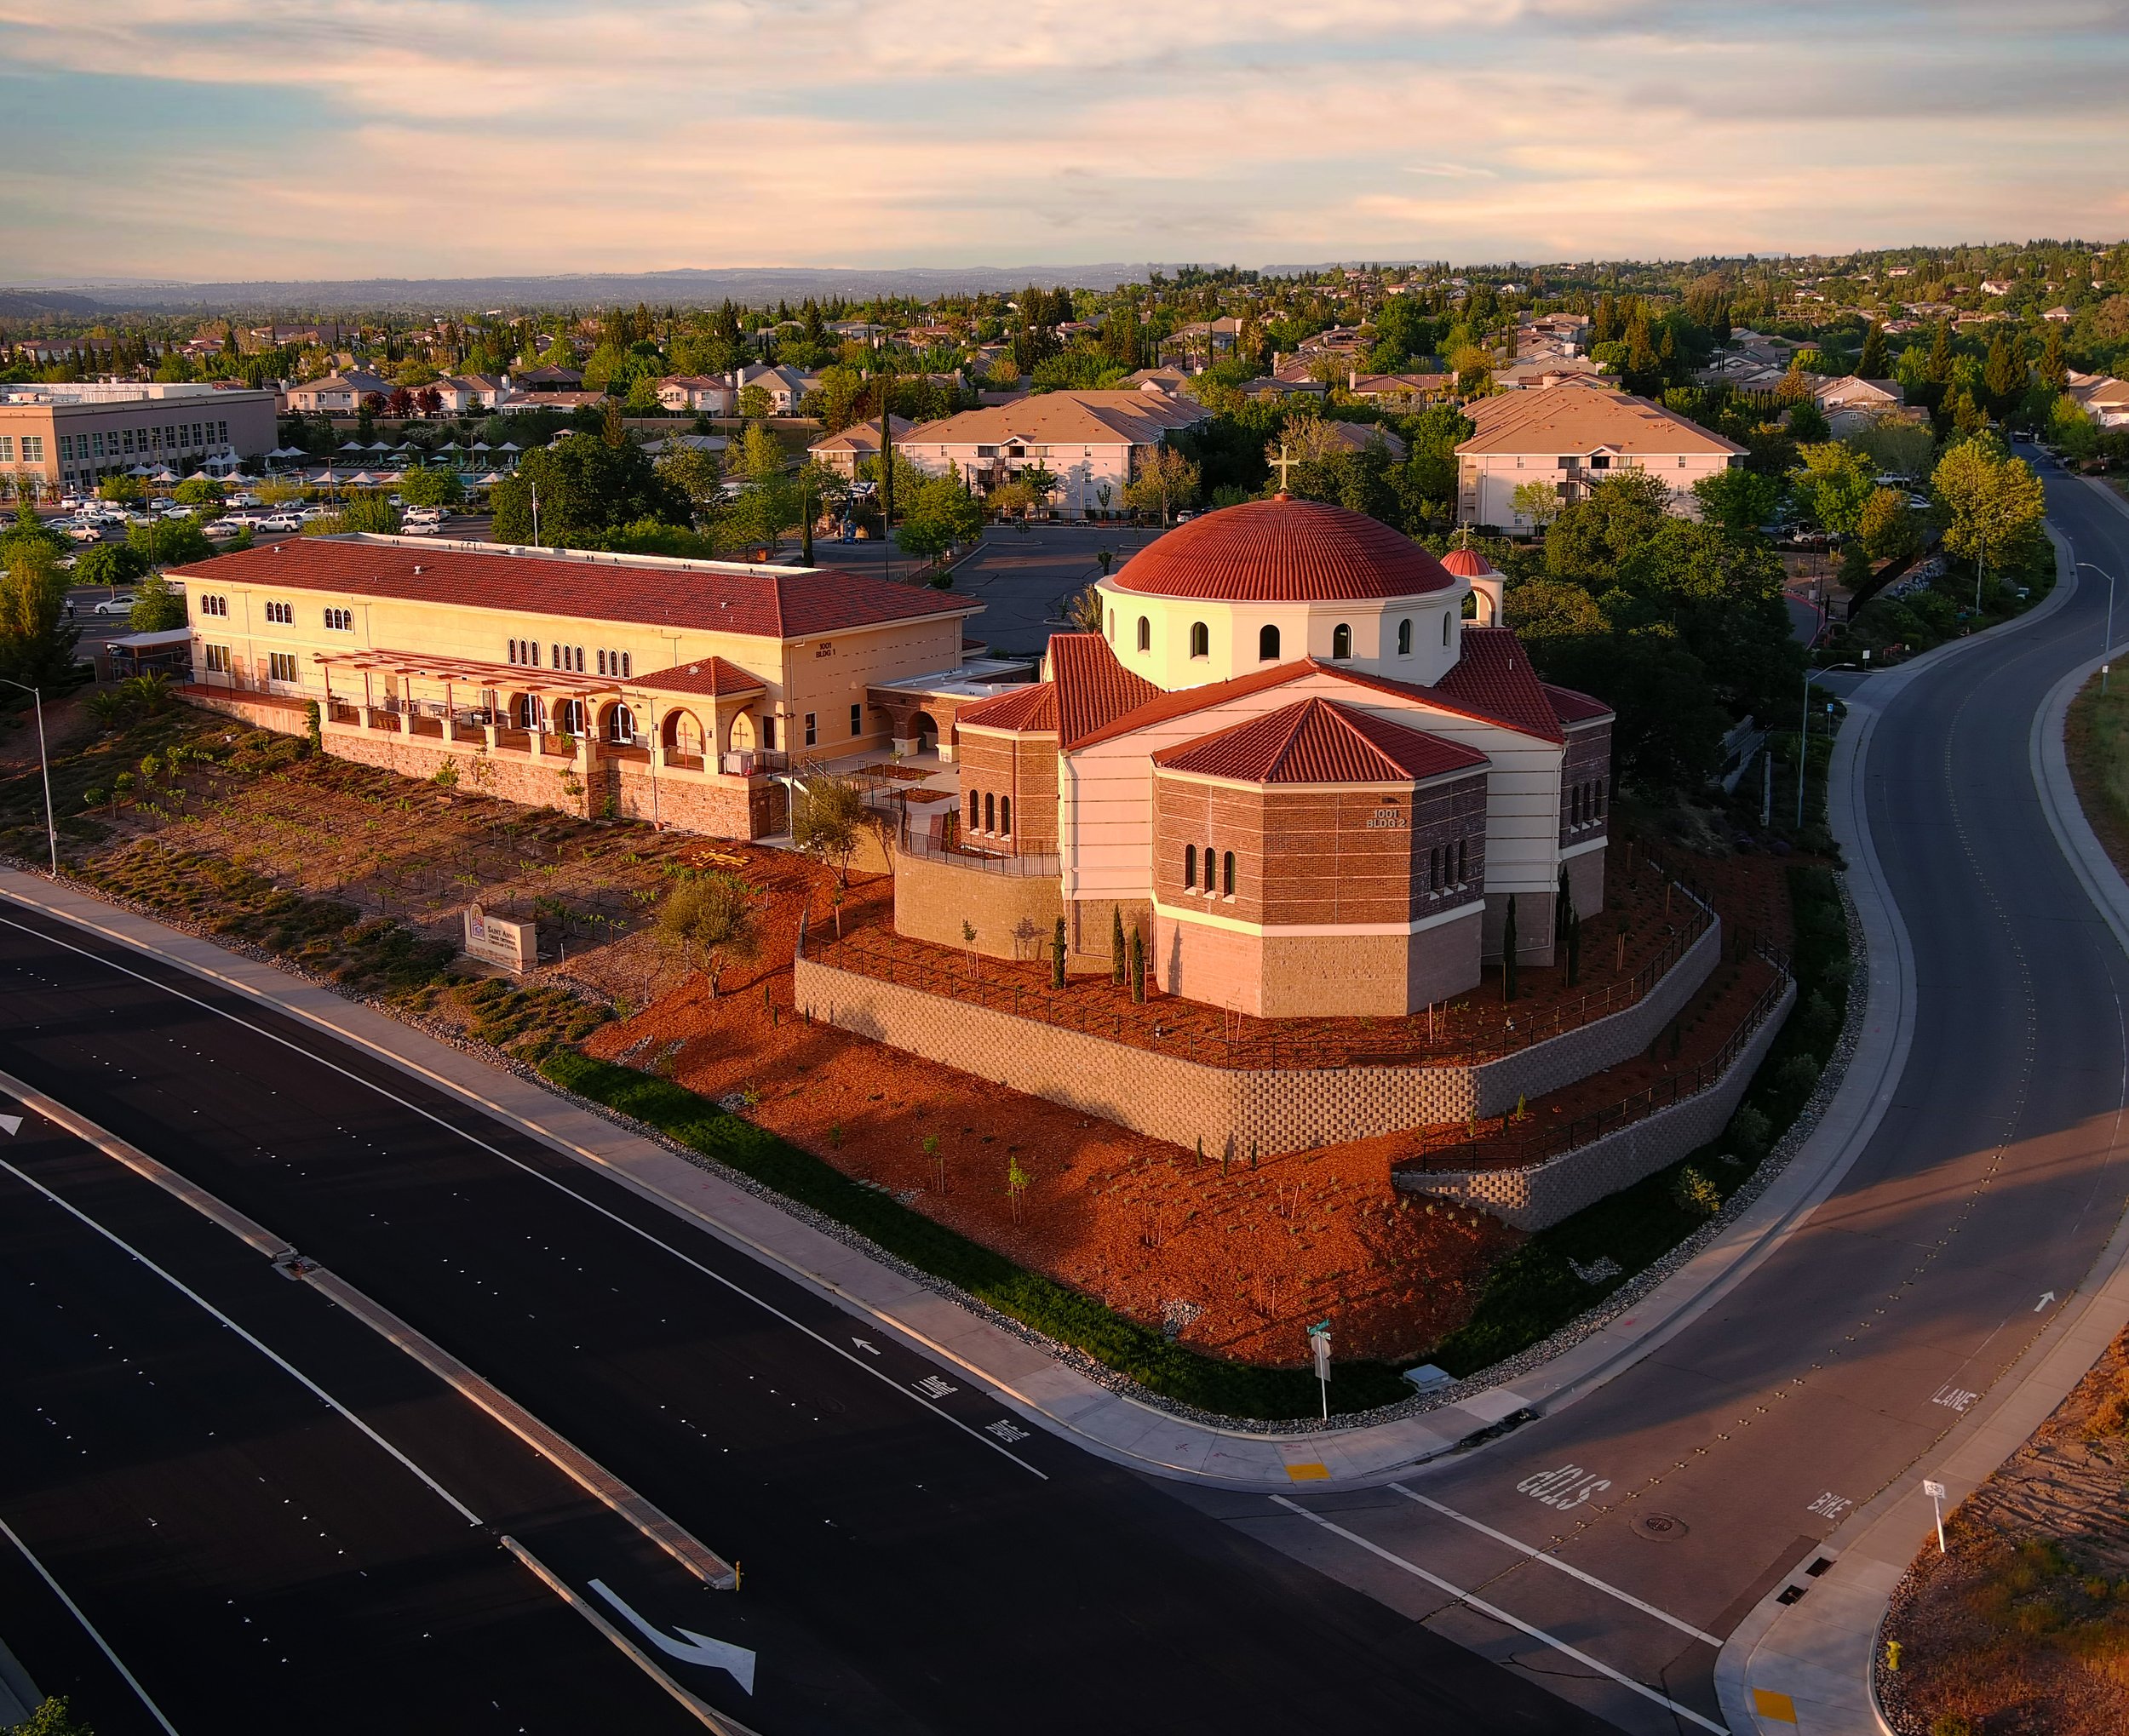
(57, 438)
(672, 690)
(1290, 763)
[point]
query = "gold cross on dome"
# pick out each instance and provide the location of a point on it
(1284, 463)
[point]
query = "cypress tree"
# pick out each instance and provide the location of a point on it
(1056, 955)
(1508, 952)
(1137, 966)
(1118, 958)
(1871, 365)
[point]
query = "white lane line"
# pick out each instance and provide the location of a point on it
(737, 1289)
(89, 1627)
(266, 1350)
(1501, 1615)
(1550, 1561)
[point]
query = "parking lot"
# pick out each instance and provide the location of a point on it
(1026, 577)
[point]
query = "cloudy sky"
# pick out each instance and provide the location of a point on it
(214, 138)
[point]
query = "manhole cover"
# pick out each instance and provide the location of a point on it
(1660, 1528)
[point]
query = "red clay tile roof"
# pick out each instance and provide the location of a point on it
(712, 675)
(1571, 706)
(1468, 564)
(1093, 690)
(1318, 740)
(1284, 551)
(1031, 710)
(764, 603)
(1162, 706)
(1492, 676)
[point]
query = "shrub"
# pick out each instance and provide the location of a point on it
(1751, 1132)
(1693, 1194)
(1796, 1077)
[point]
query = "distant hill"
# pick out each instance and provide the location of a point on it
(750, 284)
(30, 303)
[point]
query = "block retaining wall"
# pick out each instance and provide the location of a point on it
(1539, 1196)
(1165, 1096)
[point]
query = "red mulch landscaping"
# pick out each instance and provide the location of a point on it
(1247, 1258)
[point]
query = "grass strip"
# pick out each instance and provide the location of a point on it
(1155, 1361)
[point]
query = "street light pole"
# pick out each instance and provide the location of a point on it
(2107, 644)
(45, 765)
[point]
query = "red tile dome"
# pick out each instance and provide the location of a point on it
(1284, 551)
(1468, 564)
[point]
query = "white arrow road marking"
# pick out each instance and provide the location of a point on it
(870, 1349)
(691, 1647)
(10, 1124)
(2038, 1307)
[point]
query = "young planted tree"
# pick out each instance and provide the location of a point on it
(829, 822)
(711, 918)
(1138, 967)
(1056, 955)
(1119, 957)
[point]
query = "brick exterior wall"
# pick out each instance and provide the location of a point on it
(1273, 975)
(1172, 1097)
(1542, 1195)
(1021, 768)
(1586, 784)
(933, 896)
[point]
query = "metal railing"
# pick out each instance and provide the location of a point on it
(1514, 1145)
(992, 859)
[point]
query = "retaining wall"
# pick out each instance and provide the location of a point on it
(1542, 1195)
(1168, 1097)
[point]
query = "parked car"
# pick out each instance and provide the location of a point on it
(222, 528)
(242, 500)
(114, 606)
(85, 533)
(281, 524)
(421, 527)
(310, 515)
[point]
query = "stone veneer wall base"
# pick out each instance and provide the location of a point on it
(1539, 1196)
(1169, 1097)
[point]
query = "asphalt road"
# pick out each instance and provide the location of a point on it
(912, 1560)
(1696, 1481)
(238, 1541)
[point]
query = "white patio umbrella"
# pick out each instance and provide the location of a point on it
(509, 446)
(362, 478)
(493, 476)
(351, 446)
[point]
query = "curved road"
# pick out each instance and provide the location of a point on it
(1694, 1481)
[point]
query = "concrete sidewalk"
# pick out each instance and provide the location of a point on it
(1806, 1665)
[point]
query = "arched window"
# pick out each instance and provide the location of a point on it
(1200, 639)
(1404, 639)
(975, 811)
(571, 717)
(620, 726)
(1145, 634)
(1445, 629)
(1227, 874)
(1189, 866)
(513, 651)
(532, 713)
(1574, 805)
(1434, 870)
(1267, 645)
(683, 734)
(1341, 643)
(1463, 861)
(1112, 626)
(1005, 815)
(990, 813)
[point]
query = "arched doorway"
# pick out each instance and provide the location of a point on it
(683, 735)
(924, 728)
(529, 712)
(742, 733)
(621, 724)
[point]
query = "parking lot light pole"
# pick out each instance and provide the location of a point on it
(45, 765)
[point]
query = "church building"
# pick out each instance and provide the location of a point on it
(1290, 761)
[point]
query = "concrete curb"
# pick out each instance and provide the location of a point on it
(1808, 1665)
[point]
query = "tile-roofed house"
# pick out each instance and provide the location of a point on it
(1319, 741)
(1092, 442)
(1570, 436)
(342, 393)
(848, 448)
(706, 392)
(2103, 398)
(1422, 389)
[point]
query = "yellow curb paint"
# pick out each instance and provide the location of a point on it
(1768, 1704)
(1308, 1473)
